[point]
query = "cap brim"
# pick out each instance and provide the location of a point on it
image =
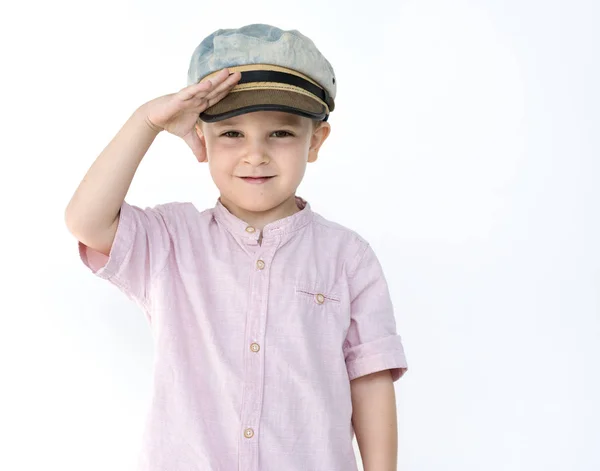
(246, 101)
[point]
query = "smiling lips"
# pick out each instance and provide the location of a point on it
(257, 180)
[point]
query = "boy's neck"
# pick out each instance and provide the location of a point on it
(259, 220)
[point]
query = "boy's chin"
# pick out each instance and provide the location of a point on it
(259, 204)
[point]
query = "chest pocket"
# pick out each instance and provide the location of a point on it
(316, 297)
(316, 315)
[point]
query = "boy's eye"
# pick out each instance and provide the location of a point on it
(228, 133)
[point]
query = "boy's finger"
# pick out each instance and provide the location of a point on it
(210, 101)
(219, 91)
(200, 103)
(192, 90)
(219, 77)
(225, 80)
(196, 96)
(203, 86)
(226, 86)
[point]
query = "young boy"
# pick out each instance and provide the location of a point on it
(275, 337)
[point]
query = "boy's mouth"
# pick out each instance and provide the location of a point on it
(257, 180)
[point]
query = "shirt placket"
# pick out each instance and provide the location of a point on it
(255, 355)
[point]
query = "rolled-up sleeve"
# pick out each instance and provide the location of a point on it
(140, 249)
(372, 342)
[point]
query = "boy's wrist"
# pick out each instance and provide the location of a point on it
(141, 114)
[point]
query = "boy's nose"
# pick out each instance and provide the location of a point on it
(256, 154)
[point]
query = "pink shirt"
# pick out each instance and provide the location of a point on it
(255, 344)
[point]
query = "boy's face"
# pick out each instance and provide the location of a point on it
(273, 146)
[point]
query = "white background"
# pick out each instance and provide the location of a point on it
(464, 147)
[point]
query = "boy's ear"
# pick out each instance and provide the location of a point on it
(317, 139)
(203, 157)
(199, 130)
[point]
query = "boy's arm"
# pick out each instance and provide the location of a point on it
(92, 214)
(375, 358)
(374, 420)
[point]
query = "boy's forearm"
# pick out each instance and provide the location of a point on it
(98, 198)
(374, 420)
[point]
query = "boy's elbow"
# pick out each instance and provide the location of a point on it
(97, 238)
(73, 220)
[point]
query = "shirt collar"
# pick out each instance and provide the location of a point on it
(242, 229)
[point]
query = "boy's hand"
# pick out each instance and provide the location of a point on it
(178, 112)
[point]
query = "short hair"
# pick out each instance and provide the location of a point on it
(316, 123)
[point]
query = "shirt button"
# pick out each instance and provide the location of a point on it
(319, 298)
(255, 347)
(260, 264)
(250, 229)
(248, 433)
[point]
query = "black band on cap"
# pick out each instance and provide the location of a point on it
(291, 79)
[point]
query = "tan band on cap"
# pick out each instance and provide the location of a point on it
(270, 85)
